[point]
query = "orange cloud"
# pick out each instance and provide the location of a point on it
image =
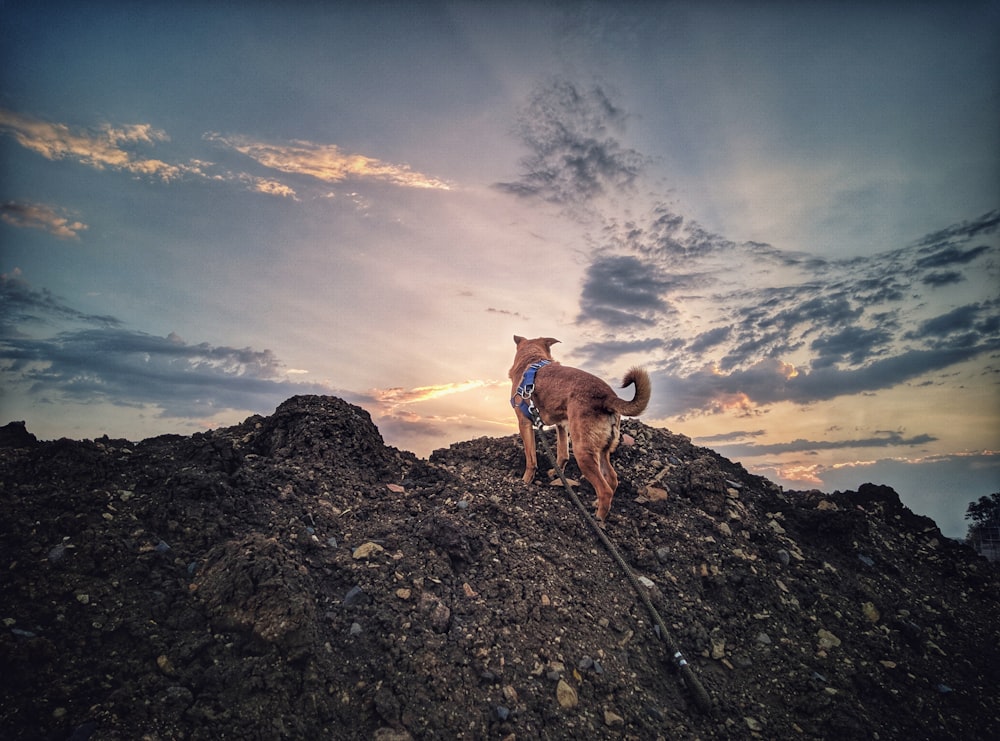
(799, 472)
(41, 216)
(398, 396)
(101, 149)
(325, 162)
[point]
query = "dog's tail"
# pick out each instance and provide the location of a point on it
(643, 389)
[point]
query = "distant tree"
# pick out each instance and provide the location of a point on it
(984, 532)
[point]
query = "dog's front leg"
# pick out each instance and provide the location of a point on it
(530, 457)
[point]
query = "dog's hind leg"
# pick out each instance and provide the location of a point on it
(590, 466)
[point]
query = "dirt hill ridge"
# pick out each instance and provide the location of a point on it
(294, 577)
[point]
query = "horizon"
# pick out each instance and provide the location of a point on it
(790, 215)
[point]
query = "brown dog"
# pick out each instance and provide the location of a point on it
(578, 403)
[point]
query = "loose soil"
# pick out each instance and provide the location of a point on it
(294, 577)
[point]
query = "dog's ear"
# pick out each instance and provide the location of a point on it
(549, 342)
(518, 339)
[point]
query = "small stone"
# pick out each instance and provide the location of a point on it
(440, 618)
(646, 582)
(776, 527)
(783, 557)
(367, 550)
(763, 638)
(653, 494)
(396, 488)
(627, 440)
(724, 529)
(585, 663)
(827, 639)
(503, 713)
(566, 695)
(355, 596)
(403, 593)
(509, 694)
(827, 505)
(888, 664)
(613, 720)
(871, 612)
(546, 602)
(356, 629)
(753, 724)
(662, 554)
(83, 599)
(469, 591)
(718, 647)
(166, 666)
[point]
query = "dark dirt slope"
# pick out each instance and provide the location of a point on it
(293, 577)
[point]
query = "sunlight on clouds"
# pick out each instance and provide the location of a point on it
(807, 474)
(325, 162)
(43, 217)
(396, 396)
(101, 149)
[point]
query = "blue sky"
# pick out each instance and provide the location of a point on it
(788, 212)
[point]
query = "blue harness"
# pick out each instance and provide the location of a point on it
(525, 390)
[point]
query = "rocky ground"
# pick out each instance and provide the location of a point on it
(293, 577)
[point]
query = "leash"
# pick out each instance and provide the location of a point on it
(701, 698)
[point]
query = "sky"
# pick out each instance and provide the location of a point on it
(787, 212)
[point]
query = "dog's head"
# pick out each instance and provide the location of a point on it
(528, 352)
(539, 345)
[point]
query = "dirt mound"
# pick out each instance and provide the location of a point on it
(293, 577)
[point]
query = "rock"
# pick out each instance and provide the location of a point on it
(652, 494)
(366, 551)
(166, 665)
(870, 612)
(718, 647)
(392, 734)
(613, 720)
(827, 640)
(566, 695)
(355, 596)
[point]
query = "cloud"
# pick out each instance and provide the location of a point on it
(853, 344)
(102, 361)
(107, 147)
(325, 162)
(711, 338)
(611, 350)
(393, 397)
(771, 380)
(573, 154)
(43, 217)
(622, 290)
(723, 437)
(786, 326)
(21, 304)
(883, 440)
(961, 319)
